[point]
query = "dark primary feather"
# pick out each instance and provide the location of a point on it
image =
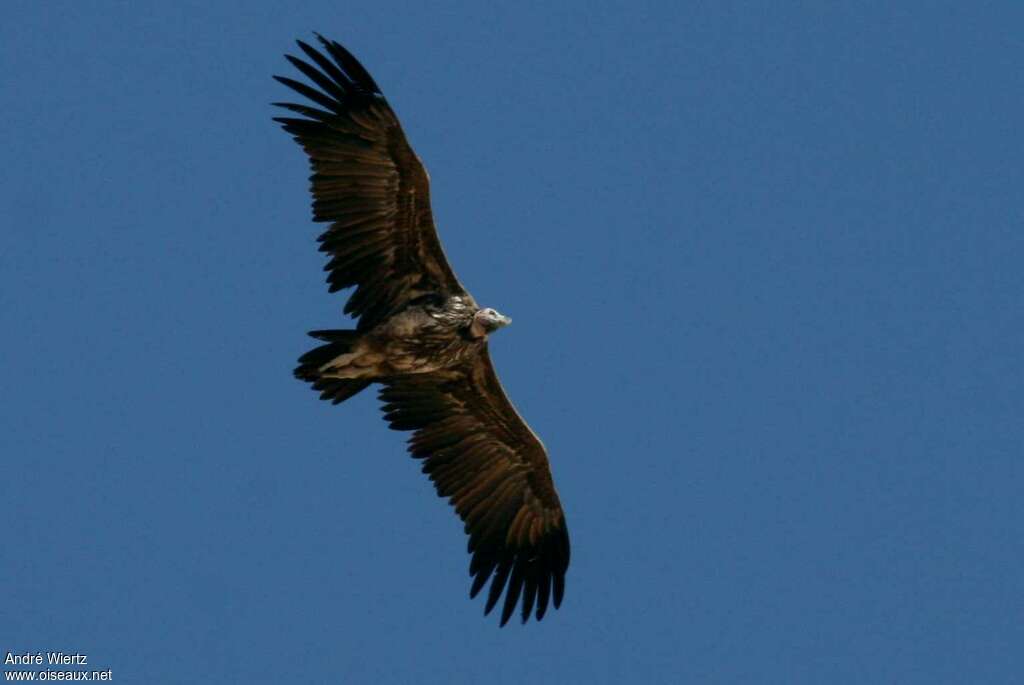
(481, 455)
(368, 184)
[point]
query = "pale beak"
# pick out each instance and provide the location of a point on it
(504, 320)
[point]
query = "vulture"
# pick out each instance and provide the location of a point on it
(419, 335)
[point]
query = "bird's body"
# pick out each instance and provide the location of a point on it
(432, 333)
(421, 336)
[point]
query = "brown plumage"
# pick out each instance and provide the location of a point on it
(421, 336)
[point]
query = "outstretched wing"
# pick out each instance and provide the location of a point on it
(483, 457)
(369, 184)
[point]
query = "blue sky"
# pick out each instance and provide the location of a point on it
(764, 261)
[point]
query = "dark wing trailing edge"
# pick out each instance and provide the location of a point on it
(369, 184)
(483, 457)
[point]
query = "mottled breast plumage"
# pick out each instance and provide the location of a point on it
(427, 336)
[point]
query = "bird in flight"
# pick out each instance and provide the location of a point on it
(420, 335)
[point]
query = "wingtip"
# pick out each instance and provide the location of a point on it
(326, 42)
(323, 41)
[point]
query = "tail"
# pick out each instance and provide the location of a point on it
(311, 364)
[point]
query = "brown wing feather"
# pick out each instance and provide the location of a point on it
(369, 184)
(483, 457)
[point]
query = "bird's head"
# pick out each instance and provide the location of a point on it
(487, 321)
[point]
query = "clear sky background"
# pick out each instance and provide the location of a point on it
(765, 265)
